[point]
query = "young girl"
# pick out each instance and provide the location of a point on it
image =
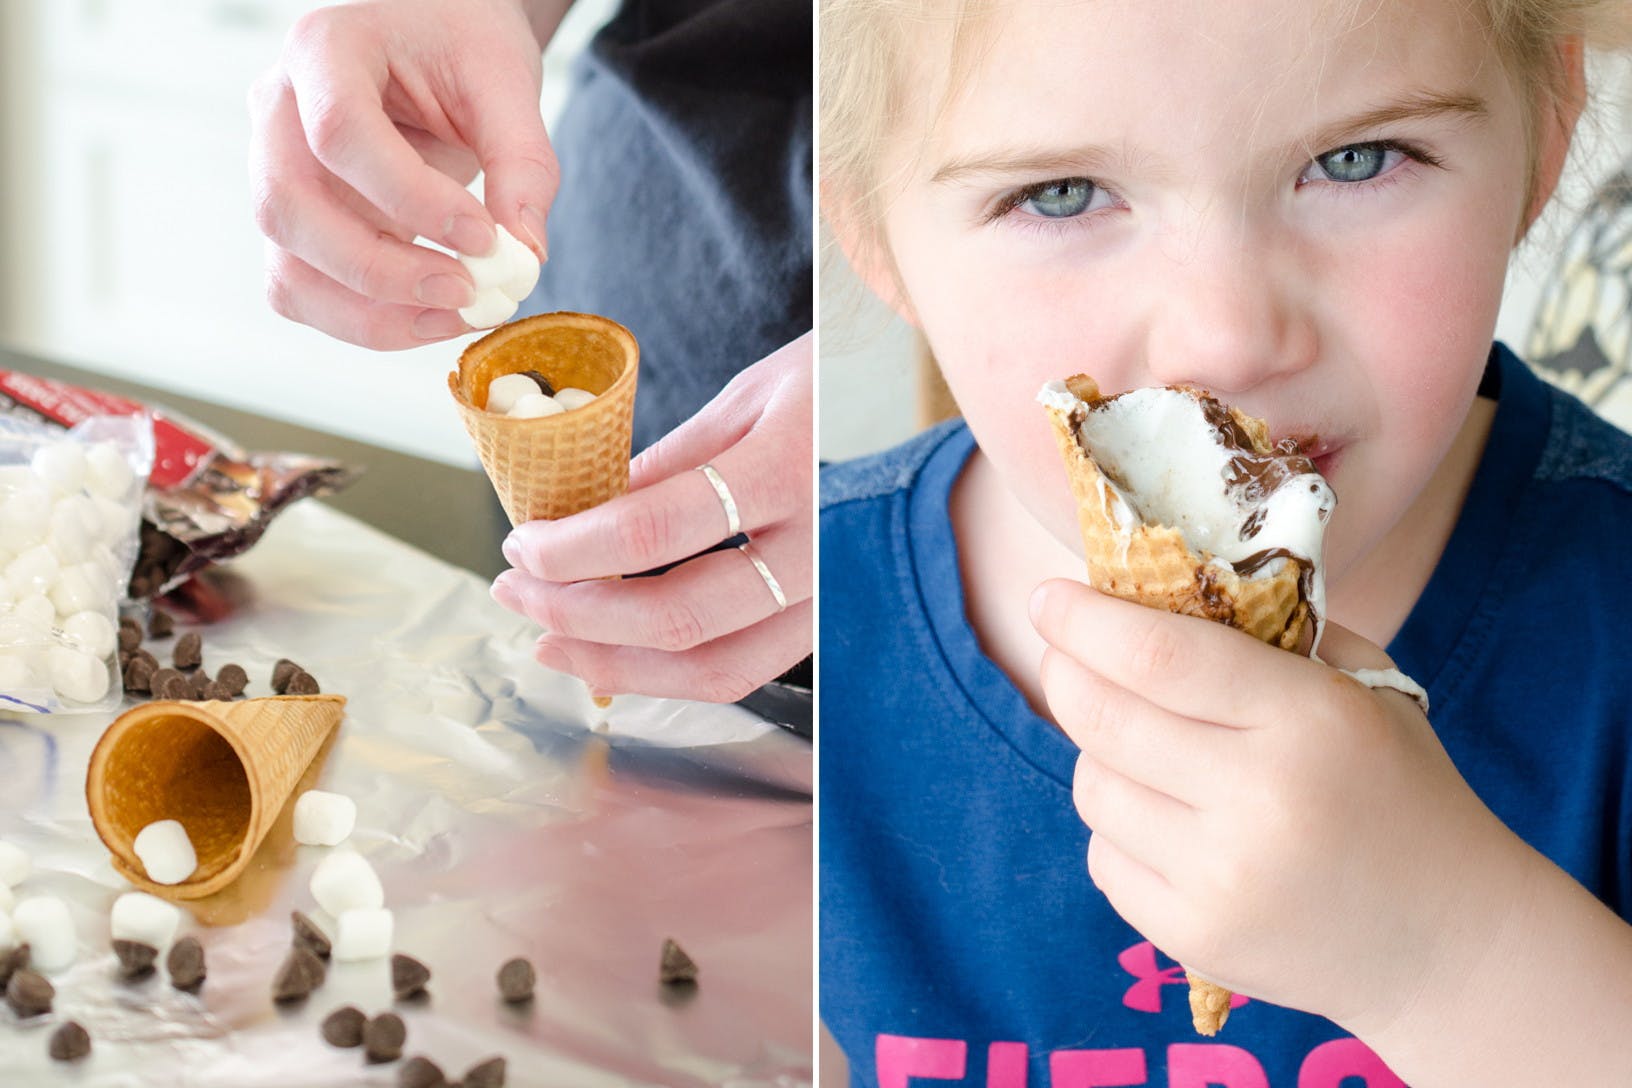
(1306, 207)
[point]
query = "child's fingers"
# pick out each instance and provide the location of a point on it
(1144, 823)
(1192, 667)
(1141, 895)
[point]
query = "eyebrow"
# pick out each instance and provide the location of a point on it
(1091, 159)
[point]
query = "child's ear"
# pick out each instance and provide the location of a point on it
(865, 250)
(1555, 126)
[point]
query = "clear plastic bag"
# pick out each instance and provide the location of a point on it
(70, 505)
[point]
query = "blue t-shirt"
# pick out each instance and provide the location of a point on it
(961, 939)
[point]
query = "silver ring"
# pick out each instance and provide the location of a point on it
(733, 524)
(765, 573)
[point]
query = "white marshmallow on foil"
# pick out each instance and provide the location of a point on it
(138, 916)
(15, 864)
(324, 819)
(363, 935)
(92, 632)
(166, 853)
(533, 405)
(107, 474)
(44, 924)
(61, 465)
(490, 307)
(76, 675)
(345, 881)
(506, 389)
(570, 398)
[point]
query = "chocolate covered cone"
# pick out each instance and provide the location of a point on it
(224, 769)
(1154, 565)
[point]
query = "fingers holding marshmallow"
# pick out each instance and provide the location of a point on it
(503, 277)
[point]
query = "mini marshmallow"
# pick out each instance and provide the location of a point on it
(570, 398)
(35, 611)
(107, 473)
(14, 478)
(14, 672)
(324, 819)
(33, 571)
(61, 465)
(114, 520)
(24, 518)
(363, 934)
(44, 924)
(8, 899)
(491, 307)
(8, 931)
(506, 389)
(79, 588)
(138, 916)
(92, 632)
(344, 881)
(534, 405)
(77, 675)
(166, 852)
(15, 864)
(510, 267)
(75, 526)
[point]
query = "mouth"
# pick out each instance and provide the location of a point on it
(1326, 453)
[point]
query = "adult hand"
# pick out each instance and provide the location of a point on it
(1265, 819)
(365, 134)
(709, 628)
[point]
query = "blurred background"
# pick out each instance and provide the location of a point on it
(127, 244)
(1568, 307)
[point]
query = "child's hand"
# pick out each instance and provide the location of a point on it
(1266, 820)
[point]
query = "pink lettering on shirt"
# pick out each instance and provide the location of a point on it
(1006, 1065)
(1145, 995)
(1213, 1065)
(899, 1057)
(1329, 1064)
(1096, 1068)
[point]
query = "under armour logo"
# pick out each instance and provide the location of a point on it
(1145, 995)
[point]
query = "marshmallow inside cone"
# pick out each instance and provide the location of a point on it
(1178, 458)
(166, 853)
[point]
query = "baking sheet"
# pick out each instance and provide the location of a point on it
(505, 816)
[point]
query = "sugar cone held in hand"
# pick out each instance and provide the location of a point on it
(1153, 564)
(225, 770)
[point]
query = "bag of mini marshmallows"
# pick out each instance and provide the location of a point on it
(70, 503)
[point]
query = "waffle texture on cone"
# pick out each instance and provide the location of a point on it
(224, 769)
(1154, 565)
(553, 466)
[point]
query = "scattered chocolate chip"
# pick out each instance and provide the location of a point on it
(160, 625)
(383, 1037)
(541, 381)
(344, 1026)
(198, 684)
(281, 672)
(173, 686)
(29, 994)
(186, 964)
(302, 684)
(12, 962)
(300, 974)
(516, 981)
(189, 651)
(143, 655)
(676, 966)
(233, 678)
(488, 1074)
(408, 976)
(138, 676)
(217, 691)
(135, 959)
(130, 635)
(70, 1043)
(421, 1072)
(124, 660)
(308, 936)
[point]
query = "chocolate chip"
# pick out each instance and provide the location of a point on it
(344, 1026)
(135, 959)
(173, 686)
(516, 981)
(70, 1043)
(308, 936)
(541, 381)
(198, 684)
(408, 976)
(421, 1072)
(233, 678)
(383, 1037)
(186, 965)
(160, 625)
(488, 1074)
(300, 974)
(189, 651)
(676, 966)
(138, 676)
(217, 691)
(130, 635)
(10, 963)
(281, 672)
(302, 684)
(29, 994)
(143, 655)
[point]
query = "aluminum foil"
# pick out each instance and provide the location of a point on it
(505, 816)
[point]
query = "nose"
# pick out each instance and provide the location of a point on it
(1230, 316)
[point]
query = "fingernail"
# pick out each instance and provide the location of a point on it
(469, 235)
(532, 221)
(551, 656)
(504, 593)
(439, 324)
(444, 291)
(1034, 605)
(512, 551)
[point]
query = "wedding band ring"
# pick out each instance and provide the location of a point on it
(765, 573)
(733, 523)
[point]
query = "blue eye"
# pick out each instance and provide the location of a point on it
(1354, 163)
(1060, 199)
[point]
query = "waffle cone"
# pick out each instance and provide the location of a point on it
(224, 769)
(1154, 565)
(557, 465)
